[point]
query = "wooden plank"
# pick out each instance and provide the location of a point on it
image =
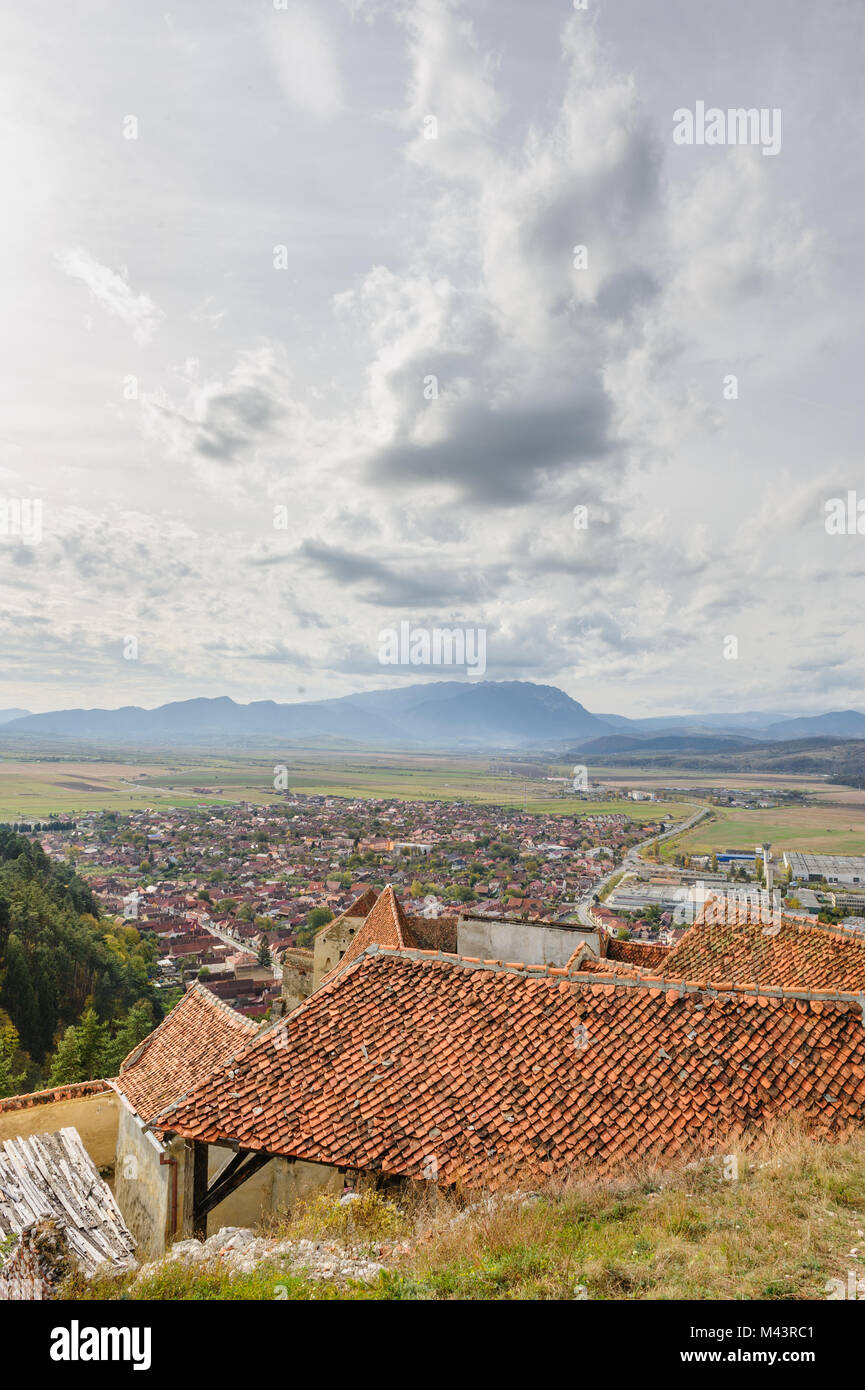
(199, 1190)
(194, 1187)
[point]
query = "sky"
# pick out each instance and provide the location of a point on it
(298, 346)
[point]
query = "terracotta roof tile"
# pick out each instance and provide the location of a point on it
(385, 925)
(636, 952)
(200, 1034)
(524, 1074)
(792, 953)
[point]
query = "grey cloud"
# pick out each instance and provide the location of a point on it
(234, 421)
(499, 457)
(394, 588)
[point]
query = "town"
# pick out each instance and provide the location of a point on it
(228, 890)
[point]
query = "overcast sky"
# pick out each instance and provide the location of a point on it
(229, 321)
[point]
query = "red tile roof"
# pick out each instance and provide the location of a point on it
(385, 925)
(792, 952)
(200, 1034)
(361, 907)
(492, 1074)
(637, 952)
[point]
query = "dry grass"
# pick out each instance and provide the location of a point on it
(781, 1230)
(787, 1225)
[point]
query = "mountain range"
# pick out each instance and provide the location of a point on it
(439, 714)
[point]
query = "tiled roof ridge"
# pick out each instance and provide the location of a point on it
(659, 983)
(389, 897)
(209, 998)
(73, 1090)
(799, 920)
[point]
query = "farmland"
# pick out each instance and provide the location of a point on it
(34, 789)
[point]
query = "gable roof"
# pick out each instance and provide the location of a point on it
(794, 953)
(385, 925)
(410, 1060)
(53, 1176)
(200, 1034)
(361, 907)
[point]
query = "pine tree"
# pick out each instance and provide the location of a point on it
(11, 1083)
(65, 1065)
(136, 1025)
(83, 1052)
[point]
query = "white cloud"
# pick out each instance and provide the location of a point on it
(413, 257)
(303, 53)
(113, 292)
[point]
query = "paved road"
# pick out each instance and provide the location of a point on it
(632, 861)
(211, 927)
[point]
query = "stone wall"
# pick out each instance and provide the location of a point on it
(533, 943)
(90, 1107)
(297, 978)
(38, 1264)
(331, 945)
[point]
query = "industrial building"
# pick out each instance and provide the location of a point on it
(834, 868)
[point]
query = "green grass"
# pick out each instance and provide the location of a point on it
(821, 829)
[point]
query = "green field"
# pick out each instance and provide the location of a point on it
(32, 790)
(820, 828)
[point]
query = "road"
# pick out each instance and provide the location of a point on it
(632, 861)
(214, 930)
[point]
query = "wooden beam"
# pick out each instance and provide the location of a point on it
(199, 1190)
(227, 1181)
(230, 1166)
(194, 1188)
(188, 1176)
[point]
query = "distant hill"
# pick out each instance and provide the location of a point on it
(458, 714)
(670, 743)
(447, 714)
(845, 723)
(751, 724)
(840, 761)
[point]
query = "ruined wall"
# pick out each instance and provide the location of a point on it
(331, 945)
(530, 942)
(297, 978)
(95, 1116)
(142, 1187)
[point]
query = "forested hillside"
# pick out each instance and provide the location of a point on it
(58, 960)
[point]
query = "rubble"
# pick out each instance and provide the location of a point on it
(240, 1250)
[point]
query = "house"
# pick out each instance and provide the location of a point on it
(412, 1065)
(200, 1034)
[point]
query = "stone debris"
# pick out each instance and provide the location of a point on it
(240, 1250)
(39, 1263)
